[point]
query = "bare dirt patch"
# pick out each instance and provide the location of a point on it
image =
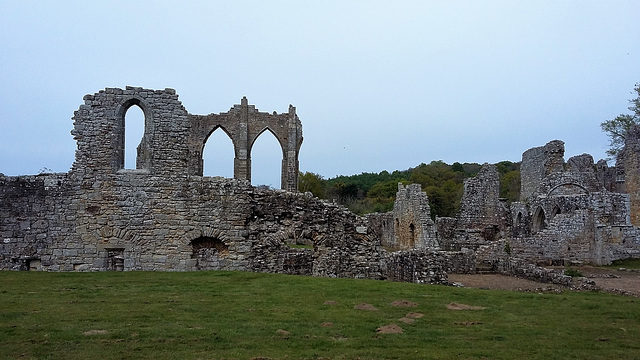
(614, 280)
(609, 280)
(330, 302)
(414, 315)
(499, 282)
(389, 329)
(95, 332)
(404, 303)
(365, 306)
(327, 324)
(458, 306)
(407, 320)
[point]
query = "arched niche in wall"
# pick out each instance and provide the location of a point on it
(218, 154)
(539, 220)
(210, 253)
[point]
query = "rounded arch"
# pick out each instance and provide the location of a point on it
(567, 184)
(122, 108)
(142, 151)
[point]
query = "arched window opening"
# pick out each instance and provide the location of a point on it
(133, 133)
(556, 211)
(218, 155)
(266, 161)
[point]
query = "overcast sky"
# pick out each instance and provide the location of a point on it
(378, 85)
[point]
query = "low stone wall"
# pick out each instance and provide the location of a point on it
(523, 269)
(426, 267)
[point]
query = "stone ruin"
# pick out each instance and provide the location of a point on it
(164, 215)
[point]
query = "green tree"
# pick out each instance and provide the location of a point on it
(510, 186)
(313, 183)
(616, 129)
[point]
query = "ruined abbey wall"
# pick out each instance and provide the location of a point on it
(164, 215)
(173, 139)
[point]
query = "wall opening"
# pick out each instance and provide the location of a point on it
(133, 133)
(266, 161)
(34, 265)
(519, 226)
(412, 235)
(115, 260)
(556, 211)
(210, 253)
(218, 154)
(539, 222)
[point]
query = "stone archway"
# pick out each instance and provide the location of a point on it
(539, 220)
(244, 124)
(143, 152)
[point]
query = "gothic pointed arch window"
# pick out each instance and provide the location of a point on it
(218, 154)
(266, 160)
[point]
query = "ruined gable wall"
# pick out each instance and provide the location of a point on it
(413, 227)
(537, 163)
(480, 205)
(99, 131)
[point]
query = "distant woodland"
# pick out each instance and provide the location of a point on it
(443, 183)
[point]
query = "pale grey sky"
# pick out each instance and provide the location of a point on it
(379, 85)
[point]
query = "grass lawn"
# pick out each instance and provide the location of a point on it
(626, 263)
(214, 315)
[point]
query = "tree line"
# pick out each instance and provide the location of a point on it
(376, 192)
(443, 183)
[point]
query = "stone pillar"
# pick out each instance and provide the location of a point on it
(242, 160)
(290, 163)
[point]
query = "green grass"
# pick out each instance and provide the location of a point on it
(625, 263)
(213, 315)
